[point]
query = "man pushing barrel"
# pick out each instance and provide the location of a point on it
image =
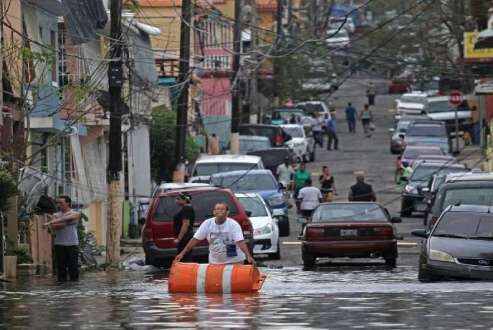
(226, 242)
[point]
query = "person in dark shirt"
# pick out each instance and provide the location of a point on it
(183, 224)
(361, 191)
(327, 184)
(351, 118)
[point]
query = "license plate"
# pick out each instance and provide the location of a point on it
(349, 232)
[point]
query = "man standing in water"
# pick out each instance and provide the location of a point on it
(225, 237)
(66, 240)
(183, 223)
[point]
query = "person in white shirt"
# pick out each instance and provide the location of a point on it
(225, 237)
(317, 130)
(310, 198)
(284, 173)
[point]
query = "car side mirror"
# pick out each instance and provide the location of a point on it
(391, 130)
(248, 213)
(420, 233)
(396, 220)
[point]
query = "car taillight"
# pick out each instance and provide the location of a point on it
(383, 231)
(279, 140)
(314, 232)
(147, 234)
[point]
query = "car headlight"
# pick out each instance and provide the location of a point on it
(410, 189)
(276, 200)
(267, 229)
(438, 255)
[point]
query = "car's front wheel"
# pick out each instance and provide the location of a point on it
(391, 262)
(277, 254)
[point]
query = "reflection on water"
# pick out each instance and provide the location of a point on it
(372, 297)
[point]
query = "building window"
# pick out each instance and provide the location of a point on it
(53, 37)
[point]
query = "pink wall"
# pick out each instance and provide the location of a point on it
(216, 93)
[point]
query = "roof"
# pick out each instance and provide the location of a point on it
(185, 185)
(468, 177)
(189, 190)
(228, 159)
(471, 208)
(243, 173)
(427, 122)
(439, 163)
(248, 195)
(420, 146)
(291, 126)
(254, 137)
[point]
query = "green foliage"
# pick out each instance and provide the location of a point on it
(163, 131)
(8, 188)
(22, 253)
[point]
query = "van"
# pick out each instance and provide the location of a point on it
(275, 133)
(207, 165)
(158, 233)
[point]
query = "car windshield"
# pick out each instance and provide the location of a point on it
(247, 145)
(440, 106)
(424, 173)
(474, 196)
(286, 114)
(414, 153)
(402, 125)
(254, 205)
(427, 130)
(413, 99)
(245, 182)
(207, 169)
(294, 131)
(466, 225)
(348, 212)
(312, 107)
(202, 203)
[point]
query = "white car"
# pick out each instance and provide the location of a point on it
(302, 146)
(337, 38)
(411, 104)
(207, 165)
(346, 23)
(265, 229)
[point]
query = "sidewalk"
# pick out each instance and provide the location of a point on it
(472, 157)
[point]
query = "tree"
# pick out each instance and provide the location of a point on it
(7, 188)
(163, 145)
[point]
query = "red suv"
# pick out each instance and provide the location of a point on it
(158, 233)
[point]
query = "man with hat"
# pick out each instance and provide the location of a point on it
(183, 223)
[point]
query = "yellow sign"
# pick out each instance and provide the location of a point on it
(475, 54)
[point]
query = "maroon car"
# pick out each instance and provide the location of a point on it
(355, 230)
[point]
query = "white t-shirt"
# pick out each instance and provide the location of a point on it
(284, 173)
(310, 198)
(219, 237)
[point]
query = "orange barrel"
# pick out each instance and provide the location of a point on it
(212, 278)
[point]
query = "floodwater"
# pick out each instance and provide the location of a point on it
(372, 297)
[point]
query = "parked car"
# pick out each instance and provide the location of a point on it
(399, 86)
(310, 107)
(302, 145)
(399, 132)
(275, 133)
(207, 165)
(283, 115)
(273, 157)
(355, 230)
(439, 108)
(252, 142)
(460, 245)
(428, 132)
(345, 22)
(338, 38)
(262, 182)
(412, 153)
(465, 188)
(265, 229)
(158, 233)
(411, 104)
(446, 158)
(422, 172)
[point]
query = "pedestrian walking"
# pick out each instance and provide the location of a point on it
(226, 242)
(327, 185)
(301, 176)
(351, 117)
(366, 118)
(284, 173)
(332, 134)
(66, 240)
(183, 224)
(317, 130)
(213, 144)
(310, 197)
(361, 191)
(371, 94)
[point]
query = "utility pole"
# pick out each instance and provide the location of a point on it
(183, 79)
(2, 236)
(115, 81)
(254, 102)
(236, 106)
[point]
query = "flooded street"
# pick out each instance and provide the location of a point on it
(329, 297)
